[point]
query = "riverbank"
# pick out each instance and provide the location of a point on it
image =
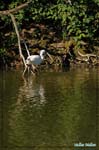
(39, 36)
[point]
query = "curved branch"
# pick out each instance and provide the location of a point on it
(18, 36)
(14, 10)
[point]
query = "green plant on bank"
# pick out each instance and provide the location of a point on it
(78, 20)
(2, 51)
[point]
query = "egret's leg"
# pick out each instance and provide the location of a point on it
(25, 70)
(32, 67)
(28, 69)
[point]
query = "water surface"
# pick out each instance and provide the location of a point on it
(54, 110)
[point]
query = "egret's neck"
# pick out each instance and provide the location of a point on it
(42, 56)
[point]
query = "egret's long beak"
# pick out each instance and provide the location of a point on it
(50, 57)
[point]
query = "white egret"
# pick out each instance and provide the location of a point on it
(34, 60)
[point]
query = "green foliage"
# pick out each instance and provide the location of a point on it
(2, 51)
(79, 20)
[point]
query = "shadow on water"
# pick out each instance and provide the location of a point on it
(50, 111)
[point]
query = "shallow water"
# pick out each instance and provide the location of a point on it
(54, 110)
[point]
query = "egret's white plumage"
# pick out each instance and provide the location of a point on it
(33, 60)
(36, 59)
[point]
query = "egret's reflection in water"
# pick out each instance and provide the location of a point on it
(30, 91)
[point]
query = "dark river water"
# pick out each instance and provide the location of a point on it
(52, 111)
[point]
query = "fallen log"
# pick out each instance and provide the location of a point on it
(89, 58)
(86, 55)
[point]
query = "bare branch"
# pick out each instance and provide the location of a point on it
(18, 36)
(14, 10)
(26, 47)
